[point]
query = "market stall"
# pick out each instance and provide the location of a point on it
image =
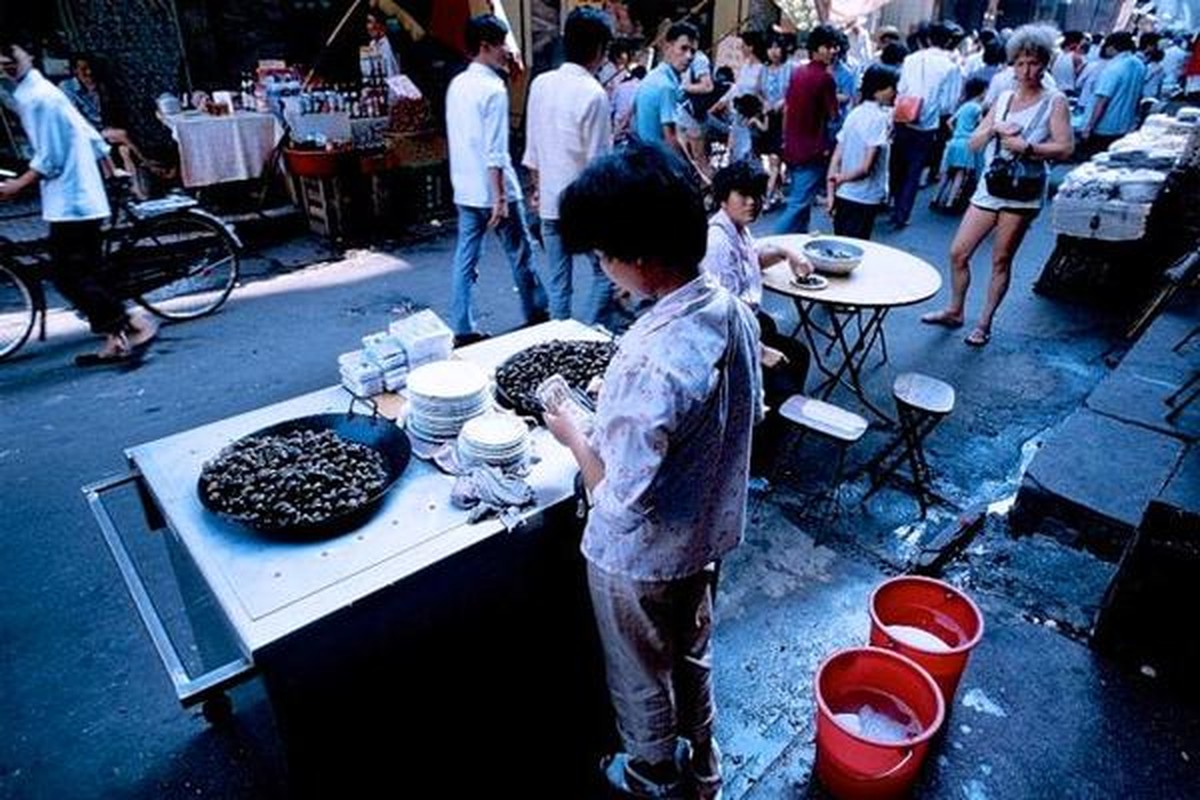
(386, 618)
(1126, 215)
(221, 148)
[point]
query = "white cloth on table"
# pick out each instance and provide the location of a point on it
(567, 128)
(672, 429)
(216, 149)
(66, 152)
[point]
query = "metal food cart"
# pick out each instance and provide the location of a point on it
(453, 626)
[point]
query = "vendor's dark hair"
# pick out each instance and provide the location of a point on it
(822, 36)
(746, 177)
(484, 29)
(893, 55)
(683, 29)
(877, 78)
(586, 34)
(639, 203)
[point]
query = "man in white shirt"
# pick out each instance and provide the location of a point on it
(66, 167)
(486, 191)
(932, 75)
(568, 126)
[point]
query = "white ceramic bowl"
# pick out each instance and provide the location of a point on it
(833, 256)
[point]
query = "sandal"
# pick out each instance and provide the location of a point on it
(620, 772)
(942, 318)
(103, 359)
(978, 337)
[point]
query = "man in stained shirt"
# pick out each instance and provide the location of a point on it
(68, 154)
(567, 127)
(675, 413)
(487, 194)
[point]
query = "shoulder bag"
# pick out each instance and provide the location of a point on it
(908, 106)
(1017, 177)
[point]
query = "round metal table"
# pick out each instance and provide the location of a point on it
(857, 305)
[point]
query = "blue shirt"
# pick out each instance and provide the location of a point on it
(655, 103)
(1121, 82)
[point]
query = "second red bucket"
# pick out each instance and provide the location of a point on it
(929, 621)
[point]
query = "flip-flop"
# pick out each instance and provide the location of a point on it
(978, 337)
(942, 319)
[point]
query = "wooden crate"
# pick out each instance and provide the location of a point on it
(326, 203)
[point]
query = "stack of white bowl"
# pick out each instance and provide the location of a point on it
(442, 396)
(500, 440)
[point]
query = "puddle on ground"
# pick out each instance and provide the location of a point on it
(977, 700)
(1029, 449)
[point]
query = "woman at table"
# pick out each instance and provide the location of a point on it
(665, 465)
(737, 263)
(1029, 122)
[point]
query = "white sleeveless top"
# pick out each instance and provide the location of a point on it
(1035, 129)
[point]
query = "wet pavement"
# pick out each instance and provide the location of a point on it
(87, 710)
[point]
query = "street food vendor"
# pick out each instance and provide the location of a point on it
(665, 464)
(379, 43)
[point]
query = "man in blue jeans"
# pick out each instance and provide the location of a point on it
(808, 108)
(486, 192)
(567, 127)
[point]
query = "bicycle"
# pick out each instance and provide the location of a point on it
(168, 255)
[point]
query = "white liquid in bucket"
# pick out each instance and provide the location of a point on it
(918, 638)
(877, 716)
(873, 724)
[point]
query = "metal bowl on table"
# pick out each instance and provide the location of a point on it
(374, 432)
(833, 256)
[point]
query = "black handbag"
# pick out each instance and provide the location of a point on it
(1017, 177)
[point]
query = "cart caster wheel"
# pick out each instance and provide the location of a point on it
(218, 710)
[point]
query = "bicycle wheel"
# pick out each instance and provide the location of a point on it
(179, 267)
(17, 313)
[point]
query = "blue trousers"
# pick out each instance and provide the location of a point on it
(910, 153)
(514, 235)
(806, 180)
(601, 306)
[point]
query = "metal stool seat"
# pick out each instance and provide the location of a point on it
(921, 403)
(842, 426)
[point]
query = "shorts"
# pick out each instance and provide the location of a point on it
(688, 125)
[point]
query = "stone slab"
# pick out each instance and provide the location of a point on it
(1183, 489)
(1096, 475)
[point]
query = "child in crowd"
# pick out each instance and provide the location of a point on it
(960, 165)
(858, 171)
(749, 121)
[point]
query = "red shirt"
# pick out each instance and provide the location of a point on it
(811, 103)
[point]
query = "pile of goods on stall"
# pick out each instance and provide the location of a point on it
(1110, 196)
(301, 478)
(388, 356)
(579, 362)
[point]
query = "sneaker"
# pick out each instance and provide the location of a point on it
(624, 774)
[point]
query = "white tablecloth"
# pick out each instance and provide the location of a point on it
(221, 149)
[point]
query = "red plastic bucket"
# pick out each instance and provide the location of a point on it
(876, 712)
(908, 610)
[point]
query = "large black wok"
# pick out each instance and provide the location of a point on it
(379, 433)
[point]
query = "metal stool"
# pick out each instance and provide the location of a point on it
(921, 403)
(842, 426)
